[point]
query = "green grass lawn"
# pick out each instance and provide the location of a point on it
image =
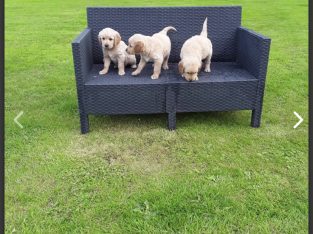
(214, 174)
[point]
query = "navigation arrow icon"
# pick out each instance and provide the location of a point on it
(17, 117)
(300, 120)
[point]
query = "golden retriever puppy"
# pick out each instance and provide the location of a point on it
(193, 51)
(155, 48)
(114, 49)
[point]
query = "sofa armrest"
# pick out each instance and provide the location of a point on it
(253, 52)
(82, 56)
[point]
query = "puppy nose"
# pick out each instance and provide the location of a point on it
(106, 45)
(126, 49)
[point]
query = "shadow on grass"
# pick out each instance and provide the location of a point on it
(146, 122)
(184, 120)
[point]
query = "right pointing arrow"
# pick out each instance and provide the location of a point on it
(300, 120)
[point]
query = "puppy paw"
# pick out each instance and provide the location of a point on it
(165, 67)
(197, 78)
(135, 73)
(103, 72)
(207, 69)
(121, 73)
(154, 77)
(134, 66)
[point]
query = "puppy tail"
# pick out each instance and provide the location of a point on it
(166, 29)
(204, 32)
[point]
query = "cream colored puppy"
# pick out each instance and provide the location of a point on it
(155, 48)
(114, 49)
(193, 51)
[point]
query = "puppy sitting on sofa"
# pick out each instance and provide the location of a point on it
(114, 49)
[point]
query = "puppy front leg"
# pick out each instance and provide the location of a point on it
(121, 67)
(141, 65)
(156, 69)
(107, 62)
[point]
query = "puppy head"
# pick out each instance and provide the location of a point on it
(109, 38)
(189, 69)
(136, 44)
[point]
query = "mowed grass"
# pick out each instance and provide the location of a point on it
(214, 174)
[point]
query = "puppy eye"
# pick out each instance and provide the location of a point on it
(130, 46)
(103, 38)
(110, 39)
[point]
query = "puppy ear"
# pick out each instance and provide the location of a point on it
(139, 47)
(181, 67)
(117, 39)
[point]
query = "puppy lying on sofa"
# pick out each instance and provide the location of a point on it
(154, 48)
(114, 49)
(193, 51)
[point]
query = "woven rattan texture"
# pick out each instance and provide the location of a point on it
(222, 25)
(253, 55)
(227, 87)
(82, 57)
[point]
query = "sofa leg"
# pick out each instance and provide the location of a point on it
(171, 121)
(256, 118)
(84, 123)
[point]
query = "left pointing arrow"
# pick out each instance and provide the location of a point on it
(17, 117)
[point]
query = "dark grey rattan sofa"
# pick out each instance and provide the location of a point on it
(236, 80)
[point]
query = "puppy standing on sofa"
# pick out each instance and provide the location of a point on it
(114, 50)
(193, 51)
(154, 48)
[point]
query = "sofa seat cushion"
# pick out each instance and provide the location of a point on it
(220, 72)
(112, 77)
(226, 87)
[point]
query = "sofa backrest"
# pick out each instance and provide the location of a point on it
(222, 25)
